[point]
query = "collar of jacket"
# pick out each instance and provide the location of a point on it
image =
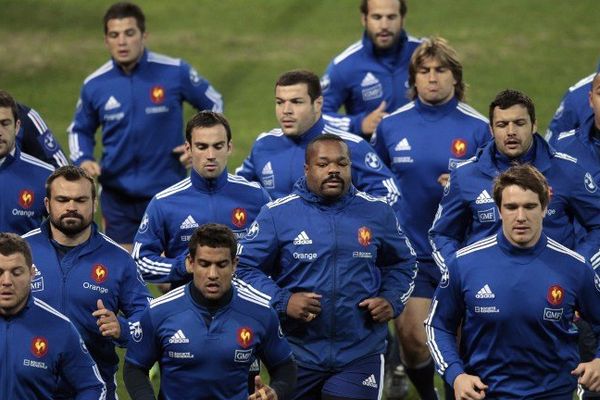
(91, 244)
(301, 189)
(396, 51)
(140, 64)
(208, 185)
(523, 255)
(10, 158)
(539, 155)
(435, 112)
(310, 134)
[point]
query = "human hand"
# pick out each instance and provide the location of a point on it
(469, 387)
(107, 322)
(370, 122)
(304, 306)
(185, 157)
(262, 391)
(381, 310)
(589, 374)
(92, 168)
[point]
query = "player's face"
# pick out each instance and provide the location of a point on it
(210, 150)
(383, 23)
(522, 215)
(513, 130)
(595, 100)
(125, 41)
(212, 269)
(295, 112)
(328, 169)
(71, 207)
(8, 131)
(434, 82)
(15, 283)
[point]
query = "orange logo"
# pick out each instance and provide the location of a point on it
(459, 147)
(26, 198)
(244, 337)
(157, 94)
(364, 236)
(99, 273)
(239, 217)
(555, 295)
(39, 346)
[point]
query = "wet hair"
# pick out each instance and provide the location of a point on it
(364, 7)
(439, 49)
(526, 177)
(326, 137)
(299, 76)
(125, 10)
(7, 101)
(206, 119)
(71, 173)
(215, 236)
(510, 97)
(11, 243)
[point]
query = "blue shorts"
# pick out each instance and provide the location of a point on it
(122, 214)
(427, 280)
(361, 379)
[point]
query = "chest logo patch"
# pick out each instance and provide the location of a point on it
(459, 147)
(364, 236)
(99, 273)
(26, 198)
(239, 217)
(39, 346)
(157, 94)
(245, 336)
(555, 295)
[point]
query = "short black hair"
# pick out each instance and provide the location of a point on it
(71, 173)
(206, 119)
(527, 177)
(11, 243)
(325, 137)
(298, 76)
(125, 10)
(7, 101)
(364, 7)
(510, 97)
(215, 236)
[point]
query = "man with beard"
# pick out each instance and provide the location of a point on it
(370, 76)
(337, 267)
(22, 176)
(84, 274)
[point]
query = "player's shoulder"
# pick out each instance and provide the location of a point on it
(272, 134)
(351, 139)
(36, 163)
(282, 202)
(50, 312)
(348, 53)
(251, 299)
(161, 59)
(117, 250)
(477, 248)
(563, 251)
(400, 112)
(32, 234)
(169, 303)
(242, 183)
(100, 72)
(371, 201)
(471, 113)
(582, 83)
(174, 190)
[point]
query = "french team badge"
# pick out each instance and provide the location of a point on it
(99, 273)
(157, 94)
(244, 337)
(39, 346)
(364, 236)
(239, 217)
(555, 295)
(459, 147)
(26, 198)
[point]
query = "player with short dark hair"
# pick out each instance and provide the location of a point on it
(40, 346)
(206, 334)
(513, 296)
(136, 97)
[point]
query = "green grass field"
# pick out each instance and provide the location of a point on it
(48, 47)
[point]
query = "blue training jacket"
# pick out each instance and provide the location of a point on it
(359, 79)
(347, 251)
(141, 115)
(420, 142)
(467, 211)
(204, 356)
(96, 269)
(161, 242)
(39, 346)
(277, 161)
(514, 308)
(23, 183)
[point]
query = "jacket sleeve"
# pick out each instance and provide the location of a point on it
(83, 129)
(585, 202)
(565, 118)
(445, 316)
(134, 298)
(248, 169)
(78, 368)
(258, 254)
(198, 91)
(38, 140)
(589, 298)
(450, 224)
(398, 263)
(144, 351)
(371, 175)
(335, 94)
(149, 245)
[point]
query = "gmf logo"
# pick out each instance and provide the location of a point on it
(555, 295)
(239, 217)
(244, 337)
(26, 198)
(157, 94)
(364, 236)
(459, 147)
(99, 273)
(39, 346)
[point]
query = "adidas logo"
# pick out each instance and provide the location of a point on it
(302, 238)
(267, 169)
(403, 145)
(369, 80)
(485, 293)
(179, 337)
(188, 223)
(370, 382)
(111, 104)
(484, 198)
